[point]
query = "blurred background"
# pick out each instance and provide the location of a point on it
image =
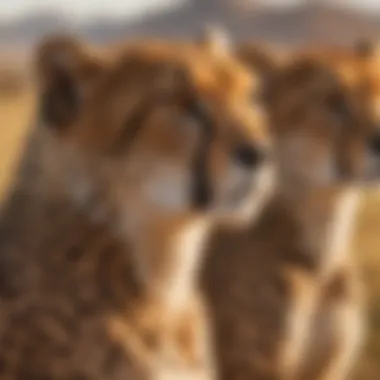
(279, 23)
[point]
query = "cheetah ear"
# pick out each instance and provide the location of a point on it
(65, 69)
(215, 38)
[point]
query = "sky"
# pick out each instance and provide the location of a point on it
(82, 9)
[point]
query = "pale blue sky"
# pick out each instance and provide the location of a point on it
(87, 8)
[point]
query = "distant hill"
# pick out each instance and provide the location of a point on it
(302, 24)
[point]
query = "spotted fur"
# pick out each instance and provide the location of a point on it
(285, 290)
(134, 155)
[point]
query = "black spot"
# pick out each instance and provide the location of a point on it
(75, 253)
(249, 156)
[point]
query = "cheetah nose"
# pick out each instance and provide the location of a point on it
(250, 156)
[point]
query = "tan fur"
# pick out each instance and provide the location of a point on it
(358, 66)
(260, 59)
(101, 240)
(290, 277)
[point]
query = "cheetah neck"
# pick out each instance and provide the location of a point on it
(167, 257)
(327, 221)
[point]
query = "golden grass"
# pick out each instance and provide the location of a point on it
(15, 114)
